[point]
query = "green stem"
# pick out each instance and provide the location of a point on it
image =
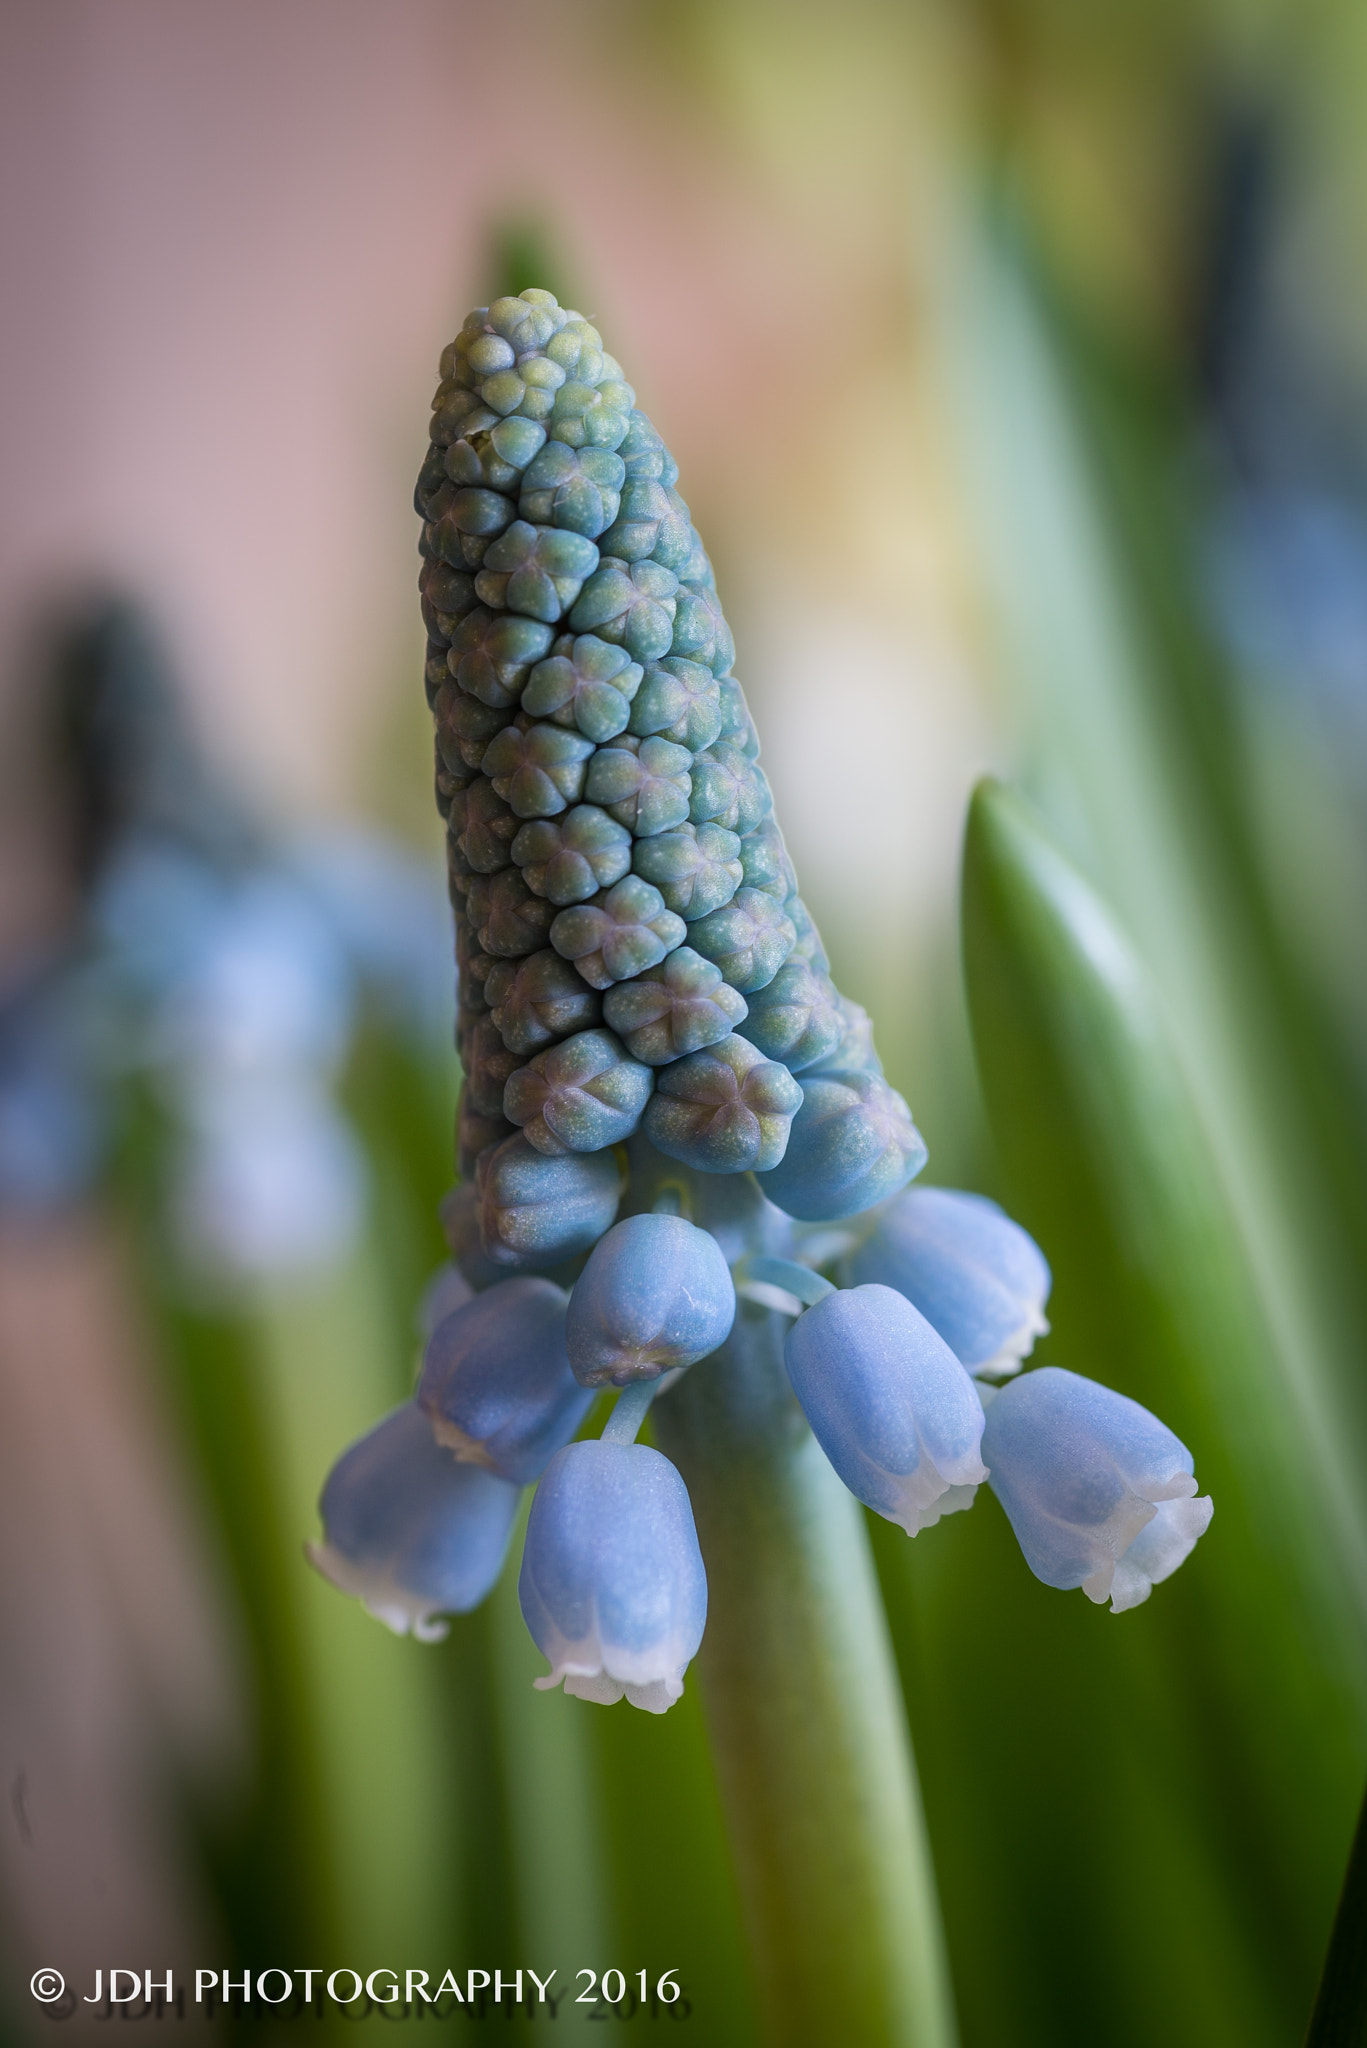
(1339, 2019)
(806, 1720)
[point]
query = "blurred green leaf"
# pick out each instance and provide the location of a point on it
(1196, 1760)
(1340, 2016)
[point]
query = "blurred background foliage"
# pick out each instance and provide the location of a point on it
(1015, 355)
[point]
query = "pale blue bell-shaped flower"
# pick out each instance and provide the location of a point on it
(496, 1383)
(1099, 1492)
(975, 1275)
(612, 1587)
(889, 1403)
(656, 1293)
(407, 1531)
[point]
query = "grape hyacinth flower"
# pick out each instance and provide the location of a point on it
(647, 1023)
(656, 1294)
(409, 1532)
(612, 1585)
(1100, 1494)
(976, 1276)
(889, 1403)
(496, 1383)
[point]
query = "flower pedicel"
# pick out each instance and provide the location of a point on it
(646, 1018)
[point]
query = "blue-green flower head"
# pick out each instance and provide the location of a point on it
(587, 683)
(889, 1403)
(612, 1587)
(536, 1209)
(737, 726)
(585, 415)
(457, 411)
(570, 858)
(724, 1110)
(797, 1018)
(656, 1294)
(483, 827)
(645, 456)
(465, 727)
(539, 999)
(467, 518)
(631, 605)
(852, 1144)
(508, 918)
(765, 863)
(450, 593)
(527, 322)
(975, 1275)
(652, 524)
(674, 1009)
(728, 789)
(488, 1065)
(644, 784)
(492, 654)
(700, 632)
(749, 939)
(476, 1132)
(679, 700)
(577, 488)
(856, 1053)
(491, 461)
(537, 571)
(578, 349)
(496, 1383)
(580, 1095)
(538, 770)
(696, 868)
(807, 945)
(619, 934)
(1099, 1492)
(407, 1531)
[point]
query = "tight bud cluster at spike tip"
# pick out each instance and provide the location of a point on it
(646, 1013)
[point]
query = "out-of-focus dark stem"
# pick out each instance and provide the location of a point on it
(1339, 2019)
(807, 1724)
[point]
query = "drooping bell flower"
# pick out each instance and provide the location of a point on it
(889, 1403)
(612, 1587)
(407, 1531)
(656, 1294)
(1099, 1492)
(975, 1275)
(496, 1384)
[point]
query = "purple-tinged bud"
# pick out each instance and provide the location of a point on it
(852, 1143)
(535, 1210)
(656, 1293)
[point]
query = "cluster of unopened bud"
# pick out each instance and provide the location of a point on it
(636, 964)
(632, 947)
